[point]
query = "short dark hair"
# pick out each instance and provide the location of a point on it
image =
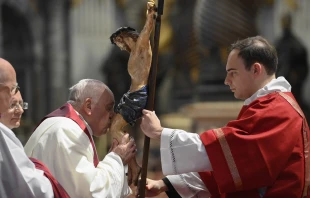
(257, 49)
(131, 32)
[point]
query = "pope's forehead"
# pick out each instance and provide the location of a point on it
(108, 94)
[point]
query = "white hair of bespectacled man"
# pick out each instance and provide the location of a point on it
(86, 88)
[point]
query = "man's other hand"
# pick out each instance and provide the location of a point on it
(151, 7)
(125, 149)
(150, 124)
(154, 187)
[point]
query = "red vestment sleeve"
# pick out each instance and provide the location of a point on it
(59, 191)
(263, 144)
(208, 178)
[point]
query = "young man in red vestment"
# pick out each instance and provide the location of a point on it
(264, 152)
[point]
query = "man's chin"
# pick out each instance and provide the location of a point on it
(104, 131)
(15, 124)
(99, 134)
(237, 96)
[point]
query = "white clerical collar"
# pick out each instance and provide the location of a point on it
(87, 125)
(275, 85)
(6, 128)
(2, 125)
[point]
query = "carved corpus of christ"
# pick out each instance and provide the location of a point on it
(130, 107)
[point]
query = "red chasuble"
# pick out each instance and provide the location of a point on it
(263, 153)
(67, 111)
(59, 191)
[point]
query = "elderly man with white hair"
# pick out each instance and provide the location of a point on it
(63, 141)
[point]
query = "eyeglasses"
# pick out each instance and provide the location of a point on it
(23, 105)
(13, 89)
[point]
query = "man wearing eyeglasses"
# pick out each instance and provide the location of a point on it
(8, 85)
(19, 176)
(12, 117)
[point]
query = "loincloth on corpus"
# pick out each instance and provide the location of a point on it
(131, 105)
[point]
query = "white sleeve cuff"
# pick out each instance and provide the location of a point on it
(182, 152)
(165, 152)
(116, 163)
(189, 185)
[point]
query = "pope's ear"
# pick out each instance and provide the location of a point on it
(87, 106)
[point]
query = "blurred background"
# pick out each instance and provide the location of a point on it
(53, 44)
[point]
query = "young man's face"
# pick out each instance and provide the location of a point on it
(239, 80)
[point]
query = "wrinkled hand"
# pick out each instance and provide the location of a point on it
(154, 187)
(151, 7)
(125, 149)
(150, 124)
(114, 145)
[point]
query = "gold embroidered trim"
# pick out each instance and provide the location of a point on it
(293, 103)
(305, 141)
(229, 158)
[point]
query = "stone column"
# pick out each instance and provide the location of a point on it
(56, 53)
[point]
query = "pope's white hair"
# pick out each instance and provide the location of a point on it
(86, 88)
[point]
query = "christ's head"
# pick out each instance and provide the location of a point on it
(125, 38)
